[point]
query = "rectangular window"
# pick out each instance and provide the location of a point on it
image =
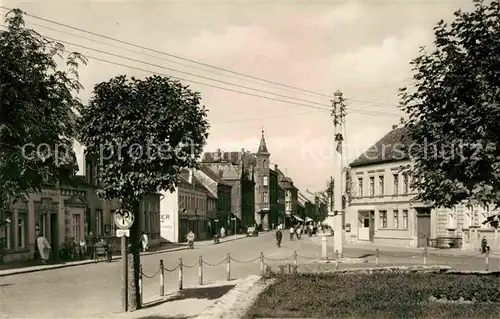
(405, 184)
(265, 198)
(360, 187)
(381, 185)
(9, 233)
(99, 221)
(372, 186)
(396, 219)
(22, 230)
(396, 184)
(405, 219)
(76, 227)
(383, 219)
(264, 181)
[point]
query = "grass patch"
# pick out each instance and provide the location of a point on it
(389, 295)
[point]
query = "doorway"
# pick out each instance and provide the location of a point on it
(423, 226)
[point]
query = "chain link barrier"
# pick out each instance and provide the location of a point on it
(245, 262)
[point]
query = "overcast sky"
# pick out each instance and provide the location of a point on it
(359, 47)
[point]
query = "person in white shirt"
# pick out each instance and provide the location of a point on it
(43, 248)
(144, 241)
(292, 231)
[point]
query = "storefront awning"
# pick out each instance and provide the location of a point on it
(309, 219)
(298, 218)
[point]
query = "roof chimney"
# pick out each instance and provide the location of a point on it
(276, 167)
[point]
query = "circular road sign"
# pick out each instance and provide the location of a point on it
(124, 219)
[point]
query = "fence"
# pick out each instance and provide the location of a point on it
(228, 261)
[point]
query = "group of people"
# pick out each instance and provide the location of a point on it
(297, 231)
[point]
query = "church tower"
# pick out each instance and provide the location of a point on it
(262, 202)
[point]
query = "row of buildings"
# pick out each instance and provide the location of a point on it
(231, 189)
(235, 190)
(383, 208)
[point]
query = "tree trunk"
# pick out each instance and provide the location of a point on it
(134, 300)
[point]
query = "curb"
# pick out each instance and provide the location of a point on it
(27, 270)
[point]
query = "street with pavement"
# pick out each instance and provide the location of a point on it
(93, 290)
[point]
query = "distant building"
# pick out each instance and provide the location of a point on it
(184, 209)
(220, 190)
(290, 197)
(236, 169)
(278, 200)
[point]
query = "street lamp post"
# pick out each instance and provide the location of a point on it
(338, 121)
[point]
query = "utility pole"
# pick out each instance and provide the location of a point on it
(338, 114)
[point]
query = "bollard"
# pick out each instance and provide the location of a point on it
(228, 267)
(140, 284)
(337, 260)
(377, 255)
(295, 262)
(180, 273)
(425, 256)
(162, 279)
(262, 270)
(200, 271)
(487, 259)
(324, 247)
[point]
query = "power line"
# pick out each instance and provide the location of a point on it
(183, 72)
(189, 73)
(168, 54)
(326, 108)
(152, 56)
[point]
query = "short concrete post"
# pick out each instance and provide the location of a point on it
(180, 274)
(162, 278)
(487, 259)
(295, 266)
(425, 256)
(200, 271)
(377, 257)
(141, 287)
(262, 270)
(324, 247)
(228, 267)
(337, 260)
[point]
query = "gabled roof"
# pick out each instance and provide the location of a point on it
(213, 176)
(388, 149)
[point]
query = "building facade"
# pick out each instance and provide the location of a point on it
(263, 191)
(220, 191)
(383, 207)
(238, 170)
(184, 209)
(290, 197)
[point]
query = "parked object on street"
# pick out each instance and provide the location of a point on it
(102, 251)
(216, 239)
(252, 231)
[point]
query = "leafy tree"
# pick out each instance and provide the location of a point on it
(454, 113)
(143, 132)
(36, 101)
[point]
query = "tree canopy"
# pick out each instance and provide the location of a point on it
(142, 132)
(36, 101)
(454, 112)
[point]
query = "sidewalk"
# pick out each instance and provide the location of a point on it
(187, 303)
(182, 246)
(430, 250)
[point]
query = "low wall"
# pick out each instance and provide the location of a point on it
(473, 236)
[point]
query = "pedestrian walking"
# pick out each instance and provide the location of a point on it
(292, 231)
(144, 241)
(222, 232)
(43, 248)
(279, 237)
